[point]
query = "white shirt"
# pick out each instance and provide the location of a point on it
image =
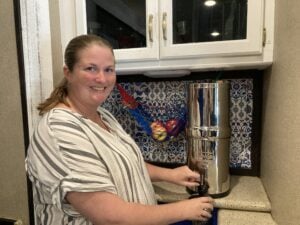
(71, 153)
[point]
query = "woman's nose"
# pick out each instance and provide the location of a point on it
(100, 76)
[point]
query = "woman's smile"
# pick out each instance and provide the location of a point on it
(100, 89)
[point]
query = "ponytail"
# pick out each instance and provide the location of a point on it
(58, 95)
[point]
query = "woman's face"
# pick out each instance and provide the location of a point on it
(93, 76)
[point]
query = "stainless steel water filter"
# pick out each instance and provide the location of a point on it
(208, 134)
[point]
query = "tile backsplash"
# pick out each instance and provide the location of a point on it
(164, 100)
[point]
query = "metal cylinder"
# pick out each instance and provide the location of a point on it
(208, 105)
(208, 134)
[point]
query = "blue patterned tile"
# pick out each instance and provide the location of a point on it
(167, 99)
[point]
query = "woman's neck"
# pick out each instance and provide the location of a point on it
(89, 113)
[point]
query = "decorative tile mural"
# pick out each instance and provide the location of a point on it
(165, 100)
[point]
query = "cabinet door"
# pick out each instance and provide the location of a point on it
(130, 25)
(196, 29)
(156, 35)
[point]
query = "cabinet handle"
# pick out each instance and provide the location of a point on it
(150, 27)
(164, 26)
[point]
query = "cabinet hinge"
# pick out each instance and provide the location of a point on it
(264, 37)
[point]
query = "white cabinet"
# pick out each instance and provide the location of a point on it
(173, 35)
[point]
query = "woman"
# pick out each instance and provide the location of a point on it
(84, 168)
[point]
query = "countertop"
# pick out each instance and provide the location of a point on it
(246, 193)
(239, 217)
(246, 204)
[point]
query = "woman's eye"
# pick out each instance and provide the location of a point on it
(92, 69)
(110, 70)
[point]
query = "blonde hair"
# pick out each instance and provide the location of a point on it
(60, 93)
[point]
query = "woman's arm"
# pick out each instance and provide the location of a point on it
(180, 175)
(103, 208)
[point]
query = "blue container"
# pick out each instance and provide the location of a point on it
(212, 221)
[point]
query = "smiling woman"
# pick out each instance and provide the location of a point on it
(83, 166)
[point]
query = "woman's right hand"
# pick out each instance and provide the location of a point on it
(199, 208)
(107, 208)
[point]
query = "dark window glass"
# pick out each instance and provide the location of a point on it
(122, 22)
(194, 21)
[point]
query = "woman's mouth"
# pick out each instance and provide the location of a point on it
(98, 88)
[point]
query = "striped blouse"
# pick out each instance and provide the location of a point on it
(71, 153)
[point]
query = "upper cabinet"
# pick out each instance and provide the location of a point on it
(175, 37)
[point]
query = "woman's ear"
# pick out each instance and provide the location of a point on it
(66, 72)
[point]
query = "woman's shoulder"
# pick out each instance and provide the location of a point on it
(59, 111)
(61, 114)
(59, 120)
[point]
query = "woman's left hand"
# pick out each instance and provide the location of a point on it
(184, 176)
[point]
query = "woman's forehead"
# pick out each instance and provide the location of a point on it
(96, 54)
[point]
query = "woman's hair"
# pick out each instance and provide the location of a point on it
(60, 93)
